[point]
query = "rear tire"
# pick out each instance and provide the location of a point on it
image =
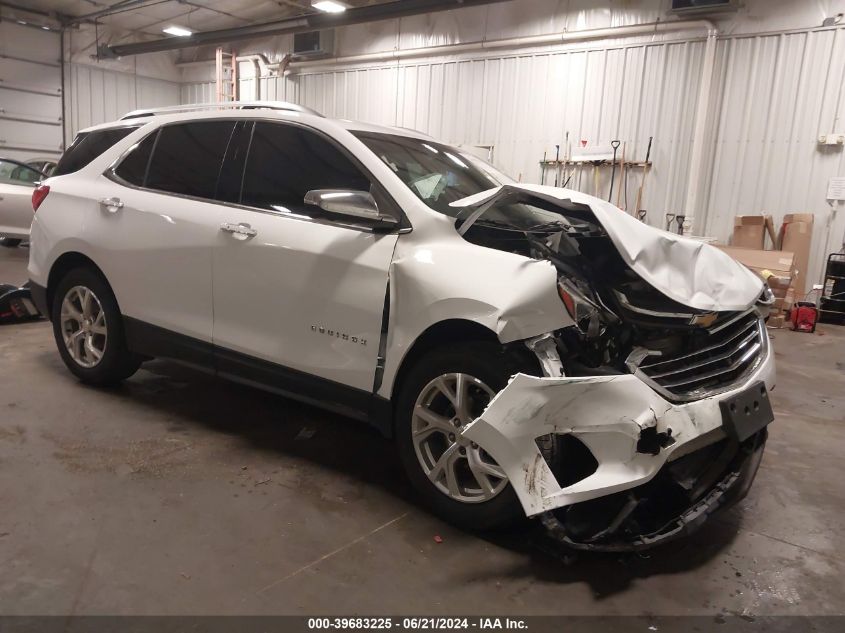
(466, 500)
(10, 242)
(88, 329)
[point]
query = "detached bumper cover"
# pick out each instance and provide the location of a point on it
(609, 415)
(731, 488)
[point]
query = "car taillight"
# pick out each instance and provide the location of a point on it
(38, 196)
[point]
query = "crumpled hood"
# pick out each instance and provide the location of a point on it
(688, 271)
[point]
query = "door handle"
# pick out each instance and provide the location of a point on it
(112, 205)
(240, 231)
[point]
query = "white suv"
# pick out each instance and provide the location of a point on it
(533, 350)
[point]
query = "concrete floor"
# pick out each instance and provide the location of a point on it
(180, 494)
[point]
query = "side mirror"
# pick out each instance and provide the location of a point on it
(350, 204)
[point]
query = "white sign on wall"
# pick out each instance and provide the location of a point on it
(836, 188)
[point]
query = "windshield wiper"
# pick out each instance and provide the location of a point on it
(534, 228)
(500, 225)
(553, 224)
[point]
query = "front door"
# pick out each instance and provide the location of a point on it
(298, 297)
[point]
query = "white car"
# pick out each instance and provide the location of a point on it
(534, 351)
(44, 165)
(17, 182)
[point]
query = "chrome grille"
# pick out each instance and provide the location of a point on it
(711, 363)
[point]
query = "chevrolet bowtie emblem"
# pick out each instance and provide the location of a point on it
(704, 320)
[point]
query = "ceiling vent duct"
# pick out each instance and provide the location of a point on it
(313, 44)
(685, 7)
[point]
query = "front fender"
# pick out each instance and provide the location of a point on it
(514, 297)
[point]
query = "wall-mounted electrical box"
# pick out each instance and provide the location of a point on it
(831, 139)
(313, 43)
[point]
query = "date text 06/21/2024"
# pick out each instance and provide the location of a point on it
(416, 623)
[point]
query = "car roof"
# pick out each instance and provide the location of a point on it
(247, 110)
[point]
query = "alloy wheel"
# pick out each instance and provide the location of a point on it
(456, 466)
(83, 326)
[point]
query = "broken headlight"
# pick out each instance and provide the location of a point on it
(765, 301)
(583, 310)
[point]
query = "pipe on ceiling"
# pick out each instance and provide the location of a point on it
(118, 7)
(310, 22)
(564, 37)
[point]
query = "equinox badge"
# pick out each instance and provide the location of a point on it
(319, 329)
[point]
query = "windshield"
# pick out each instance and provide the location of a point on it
(439, 174)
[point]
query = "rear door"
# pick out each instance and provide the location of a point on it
(16, 184)
(157, 224)
(299, 297)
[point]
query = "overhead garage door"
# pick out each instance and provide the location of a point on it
(30, 92)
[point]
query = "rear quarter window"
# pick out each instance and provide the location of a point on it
(88, 146)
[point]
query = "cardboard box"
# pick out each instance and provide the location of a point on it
(750, 231)
(777, 263)
(796, 235)
(777, 321)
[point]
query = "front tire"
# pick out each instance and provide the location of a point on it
(444, 391)
(88, 329)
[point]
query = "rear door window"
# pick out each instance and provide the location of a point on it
(287, 161)
(187, 158)
(88, 146)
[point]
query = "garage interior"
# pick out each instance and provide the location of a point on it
(180, 494)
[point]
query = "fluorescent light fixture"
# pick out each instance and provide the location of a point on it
(178, 31)
(329, 6)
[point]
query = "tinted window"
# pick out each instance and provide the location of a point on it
(18, 173)
(86, 147)
(232, 173)
(285, 162)
(133, 168)
(188, 156)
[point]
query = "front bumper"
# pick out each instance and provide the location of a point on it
(613, 416)
(664, 509)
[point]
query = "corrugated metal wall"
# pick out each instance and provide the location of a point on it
(30, 92)
(95, 95)
(523, 104)
(773, 94)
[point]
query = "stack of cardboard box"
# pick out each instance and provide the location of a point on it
(785, 269)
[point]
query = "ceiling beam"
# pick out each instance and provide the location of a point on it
(309, 22)
(117, 7)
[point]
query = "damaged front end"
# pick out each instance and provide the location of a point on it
(656, 399)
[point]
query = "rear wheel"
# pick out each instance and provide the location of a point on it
(445, 391)
(10, 242)
(88, 329)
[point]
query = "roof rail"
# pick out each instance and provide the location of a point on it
(226, 105)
